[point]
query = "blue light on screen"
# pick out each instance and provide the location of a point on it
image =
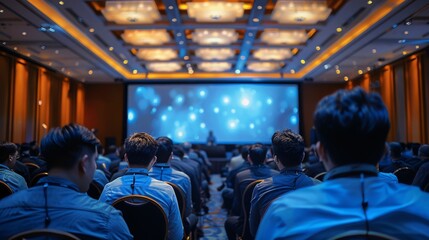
(236, 113)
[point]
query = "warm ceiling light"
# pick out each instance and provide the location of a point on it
(161, 54)
(339, 29)
(134, 12)
(302, 61)
(214, 66)
(272, 54)
(125, 61)
(214, 36)
(146, 37)
(111, 48)
(281, 37)
(214, 53)
(303, 12)
(360, 72)
(318, 48)
(337, 71)
(164, 67)
(264, 66)
(135, 71)
(215, 11)
(346, 78)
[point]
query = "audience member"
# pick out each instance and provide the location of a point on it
(422, 177)
(8, 157)
(257, 170)
(288, 151)
(352, 127)
(398, 161)
(59, 201)
(140, 152)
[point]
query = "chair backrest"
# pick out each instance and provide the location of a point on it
(45, 233)
(32, 167)
(320, 176)
(5, 190)
(36, 178)
(362, 235)
(144, 216)
(180, 196)
(95, 190)
(405, 175)
(245, 204)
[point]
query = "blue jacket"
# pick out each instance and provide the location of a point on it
(15, 181)
(66, 208)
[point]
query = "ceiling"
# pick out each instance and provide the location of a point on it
(74, 37)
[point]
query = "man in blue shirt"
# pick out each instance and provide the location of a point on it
(140, 152)
(59, 201)
(8, 157)
(352, 127)
(288, 150)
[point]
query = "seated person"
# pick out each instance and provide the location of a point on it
(8, 157)
(59, 201)
(140, 152)
(352, 127)
(257, 170)
(288, 151)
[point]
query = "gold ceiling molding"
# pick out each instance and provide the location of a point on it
(59, 19)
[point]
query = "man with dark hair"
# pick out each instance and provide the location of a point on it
(352, 127)
(288, 150)
(162, 171)
(8, 158)
(59, 201)
(140, 152)
(257, 170)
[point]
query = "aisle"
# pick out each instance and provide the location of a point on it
(213, 222)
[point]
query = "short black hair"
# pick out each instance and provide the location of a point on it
(288, 147)
(140, 148)
(164, 150)
(352, 126)
(258, 153)
(63, 146)
(7, 149)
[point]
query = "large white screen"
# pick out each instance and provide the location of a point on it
(236, 113)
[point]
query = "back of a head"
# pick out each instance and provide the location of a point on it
(395, 149)
(164, 150)
(7, 149)
(187, 146)
(424, 151)
(111, 149)
(352, 126)
(257, 153)
(63, 147)
(244, 152)
(140, 148)
(178, 151)
(288, 147)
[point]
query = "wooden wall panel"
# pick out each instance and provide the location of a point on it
(387, 93)
(65, 103)
(19, 111)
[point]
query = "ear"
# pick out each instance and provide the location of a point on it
(324, 156)
(152, 162)
(84, 164)
(249, 159)
(126, 158)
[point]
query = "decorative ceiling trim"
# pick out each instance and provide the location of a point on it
(58, 18)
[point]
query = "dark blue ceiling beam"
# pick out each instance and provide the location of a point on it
(255, 18)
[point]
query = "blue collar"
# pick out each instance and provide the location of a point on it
(139, 171)
(161, 165)
(351, 170)
(293, 170)
(57, 181)
(4, 167)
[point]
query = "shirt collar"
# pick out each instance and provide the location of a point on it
(4, 167)
(57, 181)
(141, 171)
(295, 169)
(161, 165)
(351, 170)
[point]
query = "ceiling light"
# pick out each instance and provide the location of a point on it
(360, 72)
(409, 22)
(318, 48)
(284, 37)
(164, 67)
(24, 33)
(368, 68)
(303, 12)
(302, 61)
(346, 78)
(214, 53)
(369, 2)
(91, 30)
(135, 71)
(215, 11)
(90, 72)
(337, 71)
(327, 66)
(404, 53)
(292, 71)
(125, 61)
(374, 50)
(264, 66)
(214, 66)
(237, 71)
(146, 37)
(161, 54)
(111, 48)
(61, 3)
(1, 11)
(339, 29)
(131, 12)
(406, 32)
(417, 46)
(214, 36)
